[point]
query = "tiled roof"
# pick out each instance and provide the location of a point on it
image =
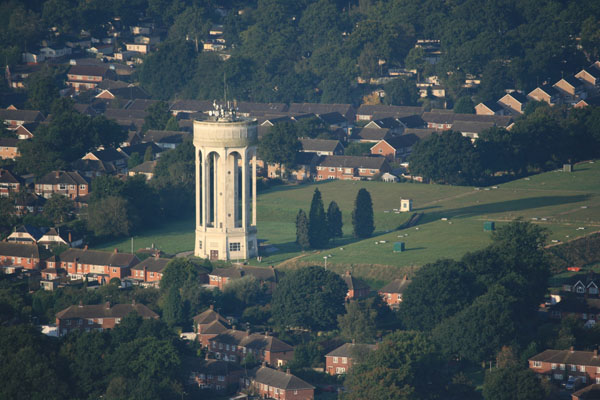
(388, 122)
(370, 134)
(571, 80)
(8, 177)
(31, 230)
(19, 250)
(89, 70)
(348, 349)
(397, 111)
(250, 108)
(108, 155)
(153, 264)
(93, 166)
(568, 357)
(141, 103)
(131, 93)
(210, 367)
(319, 144)
(254, 341)
(354, 283)
(147, 167)
(214, 328)
(591, 392)
(209, 316)
(396, 286)
(319, 108)
(65, 177)
(105, 311)
(278, 379)
(123, 114)
(165, 136)
(471, 126)
(413, 121)
(21, 115)
(353, 162)
(96, 257)
(141, 149)
(8, 142)
(492, 106)
(402, 141)
(333, 118)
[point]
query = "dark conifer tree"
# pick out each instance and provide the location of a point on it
(302, 237)
(362, 216)
(318, 233)
(334, 220)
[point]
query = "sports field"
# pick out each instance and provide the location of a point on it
(568, 204)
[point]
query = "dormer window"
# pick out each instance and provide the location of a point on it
(580, 289)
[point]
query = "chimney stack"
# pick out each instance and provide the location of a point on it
(287, 371)
(70, 240)
(57, 174)
(80, 303)
(107, 305)
(116, 250)
(85, 247)
(211, 307)
(572, 349)
(348, 273)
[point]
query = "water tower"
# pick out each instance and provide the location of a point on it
(225, 147)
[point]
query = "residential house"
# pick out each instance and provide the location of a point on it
(590, 77)
(233, 345)
(141, 149)
(488, 108)
(90, 169)
(571, 89)
(9, 149)
(560, 365)
(98, 317)
(149, 272)
(351, 167)
(20, 255)
(370, 135)
(117, 160)
(209, 324)
(127, 94)
(60, 237)
(95, 264)
(127, 118)
(357, 288)
(590, 101)
(146, 168)
(583, 285)
(29, 203)
(84, 77)
(55, 51)
(393, 291)
(65, 183)
(274, 384)
(215, 375)
(395, 147)
(441, 120)
(392, 124)
(590, 392)
(9, 183)
(141, 48)
(27, 234)
(580, 307)
(546, 93)
(250, 109)
(340, 360)
(322, 147)
(368, 112)
(269, 277)
(514, 102)
(26, 130)
(334, 120)
(304, 168)
(13, 117)
(346, 110)
(166, 139)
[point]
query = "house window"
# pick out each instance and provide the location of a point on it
(340, 370)
(562, 367)
(597, 380)
(62, 186)
(573, 367)
(234, 246)
(117, 320)
(537, 364)
(68, 322)
(90, 321)
(151, 274)
(226, 347)
(220, 345)
(580, 289)
(295, 392)
(335, 360)
(100, 321)
(276, 391)
(82, 187)
(232, 358)
(221, 378)
(381, 150)
(344, 360)
(553, 366)
(582, 368)
(71, 187)
(558, 377)
(593, 290)
(331, 169)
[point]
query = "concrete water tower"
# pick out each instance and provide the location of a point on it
(225, 148)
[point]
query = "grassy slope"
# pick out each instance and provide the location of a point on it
(555, 199)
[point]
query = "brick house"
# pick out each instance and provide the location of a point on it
(9, 149)
(13, 117)
(274, 384)
(367, 112)
(220, 277)
(209, 324)
(350, 167)
(590, 77)
(26, 234)
(322, 147)
(9, 183)
(217, 375)
(339, 361)
(395, 147)
(514, 102)
(488, 108)
(26, 130)
(233, 345)
(111, 158)
(100, 265)
(559, 365)
(66, 183)
(150, 271)
(393, 291)
(304, 169)
(545, 93)
(97, 316)
(356, 288)
(20, 254)
(84, 77)
(370, 135)
(571, 89)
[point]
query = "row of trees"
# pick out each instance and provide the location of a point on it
(544, 138)
(319, 227)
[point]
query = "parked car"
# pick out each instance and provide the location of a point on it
(573, 383)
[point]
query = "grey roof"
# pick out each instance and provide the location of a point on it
(353, 162)
(192, 105)
(19, 250)
(549, 90)
(278, 379)
(141, 103)
(492, 106)
(105, 311)
(96, 257)
(256, 341)
(31, 230)
(208, 316)
(396, 286)
(214, 328)
(471, 126)
(387, 122)
(174, 137)
(306, 158)
(260, 273)
(141, 149)
(451, 118)
(518, 96)
(210, 367)
(8, 142)
(333, 118)
(591, 392)
(571, 80)
(153, 264)
(64, 177)
(8, 177)
(315, 145)
(568, 357)
(21, 115)
(397, 111)
(402, 141)
(108, 155)
(438, 117)
(145, 167)
(131, 93)
(320, 108)
(110, 84)
(250, 107)
(413, 121)
(89, 70)
(124, 114)
(93, 166)
(347, 349)
(372, 134)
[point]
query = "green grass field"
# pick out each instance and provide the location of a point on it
(562, 202)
